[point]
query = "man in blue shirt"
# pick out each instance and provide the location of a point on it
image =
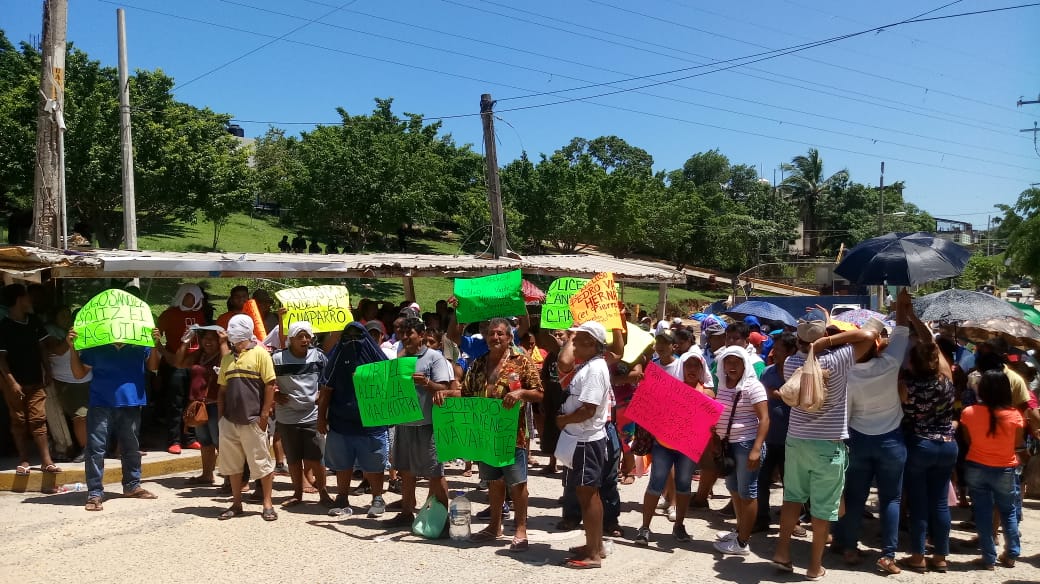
(117, 395)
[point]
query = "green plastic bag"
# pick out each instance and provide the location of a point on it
(431, 520)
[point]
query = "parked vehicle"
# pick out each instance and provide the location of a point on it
(1014, 291)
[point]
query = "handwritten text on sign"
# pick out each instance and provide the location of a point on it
(476, 428)
(556, 310)
(327, 308)
(598, 301)
(114, 316)
(386, 393)
(675, 413)
(489, 296)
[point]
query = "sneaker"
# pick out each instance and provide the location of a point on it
(341, 512)
(363, 489)
(79, 457)
(663, 505)
(671, 514)
(732, 547)
(507, 511)
(377, 508)
(482, 485)
(394, 486)
(195, 445)
(643, 537)
(281, 469)
(679, 533)
(725, 535)
(799, 531)
(174, 449)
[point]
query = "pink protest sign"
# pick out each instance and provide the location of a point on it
(675, 413)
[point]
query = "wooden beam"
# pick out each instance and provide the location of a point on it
(409, 289)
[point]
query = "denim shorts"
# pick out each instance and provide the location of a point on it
(514, 474)
(665, 459)
(744, 481)
(345, 452)
(208, 434)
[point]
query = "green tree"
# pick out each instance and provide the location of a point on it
(981, 269)
(1021, 225)
(808, 186)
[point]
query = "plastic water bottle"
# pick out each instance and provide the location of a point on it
(459, 518)
(72, 488)
(341, 512)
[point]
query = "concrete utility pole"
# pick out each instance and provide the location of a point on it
(881, 206)
(129, 202)
(494, 189)
(48, 219)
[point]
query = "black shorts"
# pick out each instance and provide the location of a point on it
(589, 465)
(301, 441)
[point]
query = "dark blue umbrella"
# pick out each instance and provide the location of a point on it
(762, 310)
(903, 259)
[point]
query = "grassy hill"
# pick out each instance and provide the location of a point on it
(261, 234)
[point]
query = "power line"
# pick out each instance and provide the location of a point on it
(842, 92)
(812, 59)
(263, 46)
(586, 100)
(609, 70)
(669, 98)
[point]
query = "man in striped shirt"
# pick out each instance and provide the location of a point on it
(816, 456)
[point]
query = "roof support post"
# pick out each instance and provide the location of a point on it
(662, 301)
(409, 288)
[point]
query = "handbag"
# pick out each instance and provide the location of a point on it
(642, 442)
(195, 414)
(431, 520)
(725, 463)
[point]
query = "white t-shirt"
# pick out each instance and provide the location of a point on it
(591, 385)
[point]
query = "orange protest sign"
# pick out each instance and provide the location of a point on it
(598, 301)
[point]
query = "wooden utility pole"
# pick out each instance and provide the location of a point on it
(494, 189)
(129, 201)
(49, 174)
(881, 206)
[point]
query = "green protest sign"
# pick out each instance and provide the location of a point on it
(489, 296)
(114, 316)
(386, 393)
(556, 310)
(476, 428)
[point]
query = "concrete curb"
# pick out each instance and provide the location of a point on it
(153, 464)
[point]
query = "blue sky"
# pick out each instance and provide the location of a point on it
(935, 100)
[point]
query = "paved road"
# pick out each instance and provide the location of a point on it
(177, 538)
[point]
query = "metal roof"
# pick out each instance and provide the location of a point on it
(16, 261)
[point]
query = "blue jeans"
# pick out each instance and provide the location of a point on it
(990, 487)
(665, 459)
(929, 465)
(881, 458)
(743, 481)
(125, 424)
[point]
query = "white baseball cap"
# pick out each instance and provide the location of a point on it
(593, 328)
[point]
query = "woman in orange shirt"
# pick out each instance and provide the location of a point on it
(994, 431)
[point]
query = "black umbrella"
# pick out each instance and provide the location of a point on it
(957, 306)
(903, 259)
(762, 310)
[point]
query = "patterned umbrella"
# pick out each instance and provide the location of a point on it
(531, 292)
(1015, 331)
(860, 316)
(956, 306)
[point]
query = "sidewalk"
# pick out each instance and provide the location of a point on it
(153, 464)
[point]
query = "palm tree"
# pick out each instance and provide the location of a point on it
(807, 187)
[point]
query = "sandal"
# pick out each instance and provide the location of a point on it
(627, 479)
(785, 567)
(94, 504)
(888, 565)
(269, 514)
(937, 566)
(1006, 560)
(817, 577)
(291, 502)
(484, 536)
(201, 481)
(905, 564)
(519, 545)
(579, 550)
(230, 512)
(580, 565)
(140, 493)
(50, 468)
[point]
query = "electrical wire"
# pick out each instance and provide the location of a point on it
(262, 47)
(815, 60)
(842, 92)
